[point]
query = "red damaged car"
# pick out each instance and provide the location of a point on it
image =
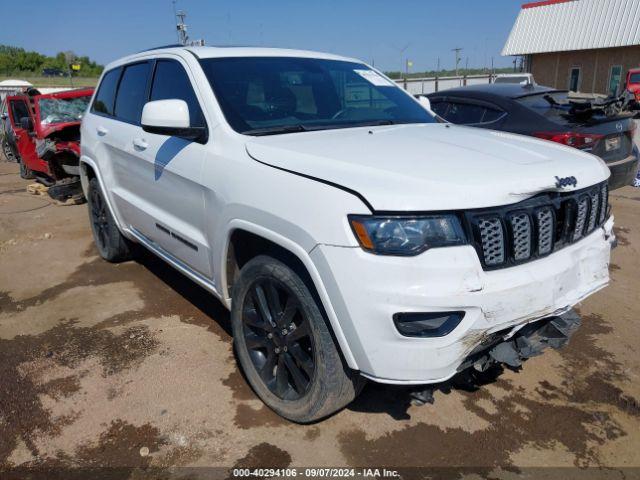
(47, 136)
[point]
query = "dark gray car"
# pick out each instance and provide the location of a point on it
(549, 114)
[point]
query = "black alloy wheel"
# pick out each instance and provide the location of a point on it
(99, 219)
(112, 245)
(278, 338)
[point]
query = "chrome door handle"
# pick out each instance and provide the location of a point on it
(140, 144)
(102, 131)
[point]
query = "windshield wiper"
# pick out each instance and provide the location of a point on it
(259, 132)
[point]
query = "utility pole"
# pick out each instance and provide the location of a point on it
(491, 75)
(401, 51)
(457, 50)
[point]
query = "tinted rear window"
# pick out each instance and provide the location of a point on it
(131, 95)
(106, 93)
(558, 113)
(541, 106)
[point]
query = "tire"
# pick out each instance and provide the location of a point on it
(298, 372)
(111, 244)
(25, 172)
(7, 152)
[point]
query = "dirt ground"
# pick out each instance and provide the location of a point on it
(131, 365)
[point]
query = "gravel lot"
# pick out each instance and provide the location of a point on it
(100, 362)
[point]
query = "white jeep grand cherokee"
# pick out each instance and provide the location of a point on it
(351, 234)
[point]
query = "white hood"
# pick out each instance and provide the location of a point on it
(427, 167)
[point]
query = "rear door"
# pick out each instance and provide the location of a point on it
(25, 142)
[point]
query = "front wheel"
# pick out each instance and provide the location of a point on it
(7, 151)
(284, 345)
(111, 244)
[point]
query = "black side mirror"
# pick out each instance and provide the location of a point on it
(26, 124)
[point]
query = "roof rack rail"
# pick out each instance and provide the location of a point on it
(174, 45)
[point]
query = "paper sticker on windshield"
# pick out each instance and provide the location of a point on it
(374, 78)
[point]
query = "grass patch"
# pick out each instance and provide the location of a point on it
(42, 82)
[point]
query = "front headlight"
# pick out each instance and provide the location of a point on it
(390, 235)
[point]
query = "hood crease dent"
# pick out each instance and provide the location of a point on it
(429, 167)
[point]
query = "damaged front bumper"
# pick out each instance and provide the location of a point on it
(446, 280)
(512, 347)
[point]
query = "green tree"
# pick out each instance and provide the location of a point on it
(16, 60)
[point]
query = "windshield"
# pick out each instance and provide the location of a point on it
(62, 110)
(634, 78)
(271, 95)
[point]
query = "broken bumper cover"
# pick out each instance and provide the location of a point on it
(514, 346)
(367, 290)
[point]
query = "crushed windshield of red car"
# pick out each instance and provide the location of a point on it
(62, 110)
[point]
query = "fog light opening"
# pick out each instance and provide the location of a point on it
(425, 325)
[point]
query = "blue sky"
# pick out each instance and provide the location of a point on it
(373, 30)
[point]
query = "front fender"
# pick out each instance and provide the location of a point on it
(303, 255)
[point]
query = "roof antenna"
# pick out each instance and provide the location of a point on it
(181, 28)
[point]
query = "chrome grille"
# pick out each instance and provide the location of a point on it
(492, 240)
(521, 231)
(545, 226)
(538, 226)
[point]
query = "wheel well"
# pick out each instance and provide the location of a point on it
(244, 245)
(86, 175)
(88, 170)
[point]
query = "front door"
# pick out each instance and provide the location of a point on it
(19, 109)
(173, 168)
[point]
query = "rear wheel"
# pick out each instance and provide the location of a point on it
(25, 172)
(111, 244)
(284, 345)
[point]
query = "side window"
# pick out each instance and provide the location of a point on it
(106, 95)
(132, 91)
(440, 108)
(171, 81)
(491, 114)
(19, 110)
(464, 113)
